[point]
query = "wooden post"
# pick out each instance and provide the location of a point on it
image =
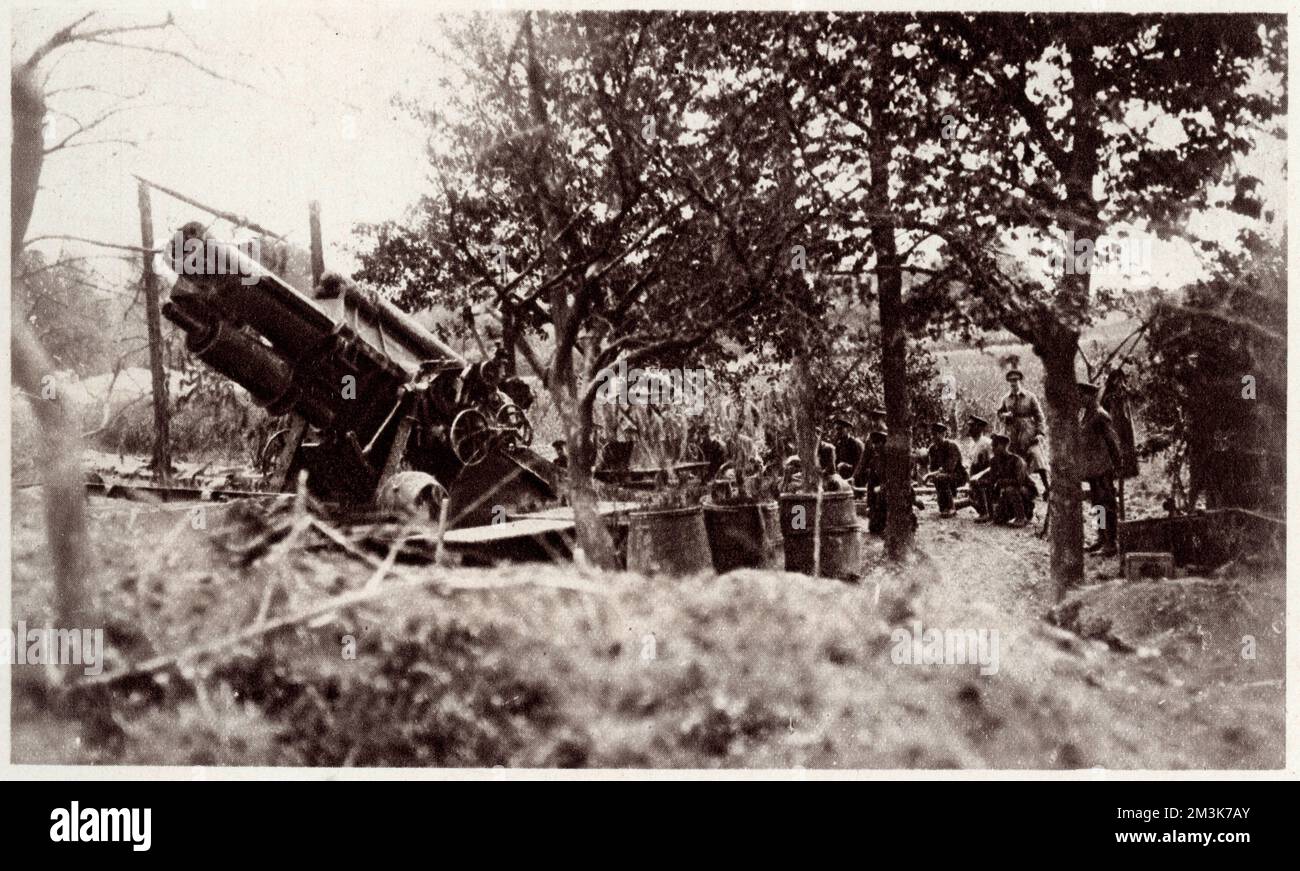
(317, 248)
(162, 455)
(284, 465)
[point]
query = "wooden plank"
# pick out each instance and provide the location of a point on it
(495, 532)
(157, 493)
(565, 512)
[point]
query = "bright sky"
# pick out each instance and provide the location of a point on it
(317, 123)
(320, 123)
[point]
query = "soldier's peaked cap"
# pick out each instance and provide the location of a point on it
(939, 426)
(999, 438)
(1015, 373)
(977, 419)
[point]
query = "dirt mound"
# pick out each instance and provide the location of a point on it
(541, 665)
(1190, 619)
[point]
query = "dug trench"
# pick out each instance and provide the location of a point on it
(541, 665)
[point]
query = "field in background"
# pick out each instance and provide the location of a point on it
(979, 376)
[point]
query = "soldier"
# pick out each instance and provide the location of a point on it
(792, 475)
(1022, 422)
(713, 451)
(981, 459)
(831, 480)
(946, 469)
(876, 418)
(868, 459)
(871, 474)
(1011, 488)
(848, 447)
(561, 456)
(1101, 461)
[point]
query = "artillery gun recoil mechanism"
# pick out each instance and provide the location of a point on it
(371, 391)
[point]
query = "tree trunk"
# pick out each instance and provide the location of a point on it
(592, 535)
(575, 409)
(899, 534)
(805, 431)
(1062, 410)
(27, 158)
(509, 336)
(65, 489)
(65, 486)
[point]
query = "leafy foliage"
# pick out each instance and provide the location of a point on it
(57, 300)
(1216, 379)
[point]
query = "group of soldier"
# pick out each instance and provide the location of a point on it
(1005, 469)
(1002, 478)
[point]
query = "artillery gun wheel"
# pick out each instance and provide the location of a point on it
(470, 436)
(512, 417)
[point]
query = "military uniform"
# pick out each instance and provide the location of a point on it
(1011, 489)
(1022, 423)
(869, 460)
(849, 450)
(946, 469)
(981, 458)
(1100, 462)
(871, 475)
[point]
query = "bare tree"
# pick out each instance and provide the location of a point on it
(32, 369)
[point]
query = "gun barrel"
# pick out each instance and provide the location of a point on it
(393, 320)
(294, 324)
(246, 292)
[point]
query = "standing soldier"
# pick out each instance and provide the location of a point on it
(848, 447)
(980, 459)
(946, 469)
(871, 474)
(1022, 422)
(871, 460)
(876, 418)
(1101, 462)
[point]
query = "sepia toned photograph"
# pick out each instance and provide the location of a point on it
(526, 386)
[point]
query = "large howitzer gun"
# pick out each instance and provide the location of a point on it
(373, 392)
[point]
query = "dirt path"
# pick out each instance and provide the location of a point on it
(1175, 671)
